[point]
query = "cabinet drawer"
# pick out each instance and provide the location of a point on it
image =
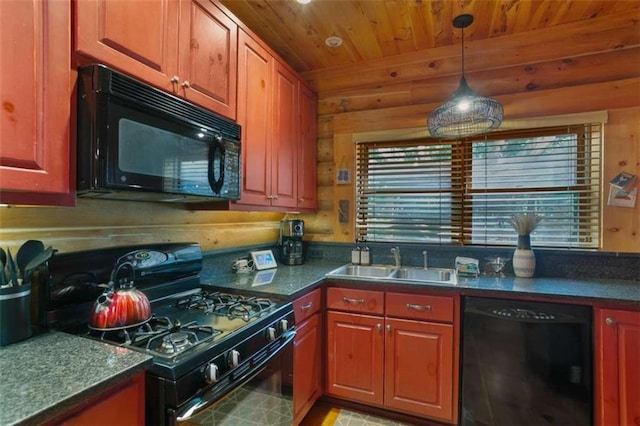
(348, 299)
(306, 305)
(434, 308)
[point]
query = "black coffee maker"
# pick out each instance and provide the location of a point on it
(291, 232)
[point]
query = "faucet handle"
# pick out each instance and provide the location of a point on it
(426, 262)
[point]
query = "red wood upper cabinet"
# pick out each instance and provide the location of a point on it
(617, 372)
(254, 115)
(307, 150)
(284, 147)
(137, 37)
(36, 92)
(207, 67)
(278, 119)
(188, 47)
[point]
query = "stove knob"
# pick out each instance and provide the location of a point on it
(284, 325)
(271, 334)
(233, 358)
(211, 374)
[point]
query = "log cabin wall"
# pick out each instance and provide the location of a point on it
(579, 67)
(104, 223)
(575, 68)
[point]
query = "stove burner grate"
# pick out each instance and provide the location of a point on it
(224, 304)
(162, 336)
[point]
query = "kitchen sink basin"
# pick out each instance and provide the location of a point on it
(437, 275)
(388, 272)
(363, 271)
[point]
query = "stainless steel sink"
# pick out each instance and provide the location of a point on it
(363, 271)
(437, 275)
(388, 272)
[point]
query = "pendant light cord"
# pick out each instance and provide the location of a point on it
(462, 51)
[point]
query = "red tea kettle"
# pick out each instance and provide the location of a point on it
(120, 305)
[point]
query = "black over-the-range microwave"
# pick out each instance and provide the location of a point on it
(136, 142)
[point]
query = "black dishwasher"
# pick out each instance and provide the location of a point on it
(525, 363)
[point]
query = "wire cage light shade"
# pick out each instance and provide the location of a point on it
(466, 113)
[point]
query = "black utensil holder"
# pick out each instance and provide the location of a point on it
(15, 314)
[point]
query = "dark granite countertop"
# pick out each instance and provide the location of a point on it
(48, 374)
(291, 281)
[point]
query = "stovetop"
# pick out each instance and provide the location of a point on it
(182, 322)
(191, 323)
(190, 328)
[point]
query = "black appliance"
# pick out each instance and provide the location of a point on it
(211, 348)
(526, 363)
(136, 142)
(290, 241)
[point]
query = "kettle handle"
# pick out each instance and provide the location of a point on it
(116, 271)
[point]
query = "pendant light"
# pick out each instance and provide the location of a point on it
(465, 114)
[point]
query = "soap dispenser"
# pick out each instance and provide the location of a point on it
(365, 256)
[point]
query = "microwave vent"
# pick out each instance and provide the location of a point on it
(124, 87)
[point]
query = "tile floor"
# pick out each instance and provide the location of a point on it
(321, 415)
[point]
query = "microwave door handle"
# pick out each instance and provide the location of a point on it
(216, 185)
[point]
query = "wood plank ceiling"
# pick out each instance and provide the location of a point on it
(376, 29)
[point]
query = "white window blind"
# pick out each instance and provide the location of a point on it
(462, 192)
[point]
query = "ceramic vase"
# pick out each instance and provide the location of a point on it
(524, 259)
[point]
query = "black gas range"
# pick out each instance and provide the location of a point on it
(205, 342)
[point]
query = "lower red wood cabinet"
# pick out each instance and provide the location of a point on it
(402, 364)
(307, 354)
(123, 405)
(617, 372)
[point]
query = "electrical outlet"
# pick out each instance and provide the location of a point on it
(315, 253)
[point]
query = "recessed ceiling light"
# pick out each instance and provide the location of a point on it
(333, 41)
(304, 1)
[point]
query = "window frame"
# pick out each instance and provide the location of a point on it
(588, 186)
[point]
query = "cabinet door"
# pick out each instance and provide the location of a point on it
(138, 37)
(122, 406)
(284, 153)
(419, 368)
(254, 110)
(307, 150)
(208, 57)
(355, 357)
(617, 367)
(35, 87)
(307, 366)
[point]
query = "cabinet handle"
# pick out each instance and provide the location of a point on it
(175, 79)
(306, 307)
(186, 84)
(388, 327)
(379, 327)
(610, 321)
(418, 307)
(353, 301)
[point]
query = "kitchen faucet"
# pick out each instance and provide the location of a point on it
(426, 263)
(396, 255)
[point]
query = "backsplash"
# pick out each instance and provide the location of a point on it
(550, 263)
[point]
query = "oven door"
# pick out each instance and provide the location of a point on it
(262, 395)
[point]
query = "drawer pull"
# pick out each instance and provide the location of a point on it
(418, 307)
(306, 307)
(353, 301)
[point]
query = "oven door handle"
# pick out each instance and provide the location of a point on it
(199, 404)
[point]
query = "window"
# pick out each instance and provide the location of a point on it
(462, 192)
